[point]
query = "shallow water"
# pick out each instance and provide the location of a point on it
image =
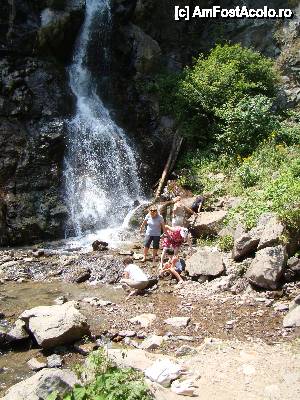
(16, 297)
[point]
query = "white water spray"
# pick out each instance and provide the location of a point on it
(100, 167)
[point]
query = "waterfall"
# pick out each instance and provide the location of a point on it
(101, 175)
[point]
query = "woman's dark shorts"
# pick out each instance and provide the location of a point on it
(150, 239)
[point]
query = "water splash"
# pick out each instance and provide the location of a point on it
(101, 173)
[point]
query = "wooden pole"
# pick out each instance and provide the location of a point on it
(177, 141)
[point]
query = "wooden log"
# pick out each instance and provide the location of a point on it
(177, 141)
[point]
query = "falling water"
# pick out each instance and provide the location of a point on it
(100, 167)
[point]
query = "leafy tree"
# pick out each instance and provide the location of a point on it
(225, 99)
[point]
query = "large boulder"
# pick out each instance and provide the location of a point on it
(292, 319)
(244, 242)
(55, 325)
(267, 267)
(208, 223)
(271, 233)
(205, 262)
(40, 385)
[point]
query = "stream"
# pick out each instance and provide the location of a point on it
(17, 297)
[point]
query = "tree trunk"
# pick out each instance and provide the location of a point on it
(177, 141)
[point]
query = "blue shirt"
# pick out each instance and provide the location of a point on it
(154, 225)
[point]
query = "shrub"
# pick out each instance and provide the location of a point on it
(247, 175)
(110, 383)
(245, 125)
(225, 243)
(224, 99)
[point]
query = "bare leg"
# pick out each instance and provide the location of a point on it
(176, 274)
(163, 254)
(146, 249)
(176, 251)
(154, 254)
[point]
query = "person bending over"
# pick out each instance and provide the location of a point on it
(174, 238)
(133, 277)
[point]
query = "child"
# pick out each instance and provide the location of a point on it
(174, 265)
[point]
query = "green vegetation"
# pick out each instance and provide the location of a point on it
(110, 382)
(268, 180)
(224, 101)
(225, 243)
(241, 143)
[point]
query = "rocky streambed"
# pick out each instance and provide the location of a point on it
(167, 319)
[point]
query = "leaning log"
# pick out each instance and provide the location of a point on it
(177, 141)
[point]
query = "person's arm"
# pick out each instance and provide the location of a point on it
(200, 206)
(163, 226)
(170, 228)
(174, 261)
(143, 225)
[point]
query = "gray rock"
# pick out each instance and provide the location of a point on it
(178, 321)
(152, 342)
(54, 361)
(293, 263)
(208, 223)
(164, 372)
(144, 320)
(267, 267)
(127, 333)
(36, 365)
(185, 350)
(295, 303)
(244, 242)
(271, 233)
(55, 325)
(40, 385)
(80, 275)
(292, 319)
(18, 331)
(146, 50)
(206, 261)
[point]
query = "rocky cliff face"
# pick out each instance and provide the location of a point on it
(36, 40)
(147, 40)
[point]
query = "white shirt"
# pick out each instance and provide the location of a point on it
(136, 273)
